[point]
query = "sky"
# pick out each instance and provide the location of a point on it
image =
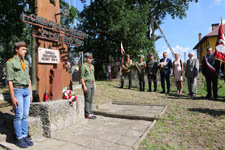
(183, 34)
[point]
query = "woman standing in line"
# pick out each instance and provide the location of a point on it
(178, 73)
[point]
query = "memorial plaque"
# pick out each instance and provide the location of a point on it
(48, 56)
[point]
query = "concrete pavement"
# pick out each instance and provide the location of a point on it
(104, 133)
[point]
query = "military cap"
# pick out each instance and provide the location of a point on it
(141, 56)
(20, 44)
(89, 55)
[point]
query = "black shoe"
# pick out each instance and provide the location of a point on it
(168, 92)
(208, 97)
(162, 92)
(21, 143)
(28, 141)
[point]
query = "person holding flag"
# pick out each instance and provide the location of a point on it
(220, 47)
(210, 69)
(126, 71)
(220, 44)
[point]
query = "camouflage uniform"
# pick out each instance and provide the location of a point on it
(127, 73)
(141, 75)
(151, 69)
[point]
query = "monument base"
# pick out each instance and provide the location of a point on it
(55, 115)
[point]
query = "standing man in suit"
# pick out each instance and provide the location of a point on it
(191, 72)
(210, 69)
(165, 66)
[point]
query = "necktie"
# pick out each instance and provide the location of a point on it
(90, 67)
(23, 64)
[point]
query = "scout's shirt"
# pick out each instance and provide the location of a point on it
(16, 73)
(87, 72)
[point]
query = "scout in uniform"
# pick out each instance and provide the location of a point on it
(20, 92)
(88, 85)
(126, 71)
(141, 73)
(152, 69)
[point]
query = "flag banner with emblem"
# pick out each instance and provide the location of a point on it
(220, 44)
(122, 52)
(122, 49)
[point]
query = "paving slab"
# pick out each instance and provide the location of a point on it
(130, 110)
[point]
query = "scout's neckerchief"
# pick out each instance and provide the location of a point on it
(208, 65)
(23, 64)
(90, 66)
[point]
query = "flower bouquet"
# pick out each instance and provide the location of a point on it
(69, 95)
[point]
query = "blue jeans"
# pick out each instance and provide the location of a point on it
(21, 112)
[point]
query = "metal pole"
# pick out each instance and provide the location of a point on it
(164, 37)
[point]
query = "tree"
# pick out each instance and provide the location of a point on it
(110, 22)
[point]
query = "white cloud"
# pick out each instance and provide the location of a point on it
(218, 2)
(182, 51)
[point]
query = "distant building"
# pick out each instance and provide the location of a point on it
(207, 40)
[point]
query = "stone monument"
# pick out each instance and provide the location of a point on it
(52, 70)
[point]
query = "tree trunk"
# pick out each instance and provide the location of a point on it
(34, 80)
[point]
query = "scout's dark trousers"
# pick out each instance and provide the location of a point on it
(212, 82)
(163, 78)
(88, 96)
(150, 79)
(141, 82)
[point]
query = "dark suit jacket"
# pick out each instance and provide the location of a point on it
(208, 72)
(168, 67)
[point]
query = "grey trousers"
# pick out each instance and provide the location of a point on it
(192, 85)
(89, 96)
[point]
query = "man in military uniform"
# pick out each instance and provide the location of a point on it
(20, 92)
(152, 68)
(126, 71)
(140, 66)
(88, 85)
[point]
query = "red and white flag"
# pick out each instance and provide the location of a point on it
(122, 49)
(220, 44)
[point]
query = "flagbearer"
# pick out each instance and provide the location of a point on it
(20, 92)
(126, 71)
(210, 69)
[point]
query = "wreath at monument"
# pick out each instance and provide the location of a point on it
(69, 95)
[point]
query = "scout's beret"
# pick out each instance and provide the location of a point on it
(88, 55)
(151, 54)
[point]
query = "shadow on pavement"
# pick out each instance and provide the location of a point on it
(212, 112)
(6, 127)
